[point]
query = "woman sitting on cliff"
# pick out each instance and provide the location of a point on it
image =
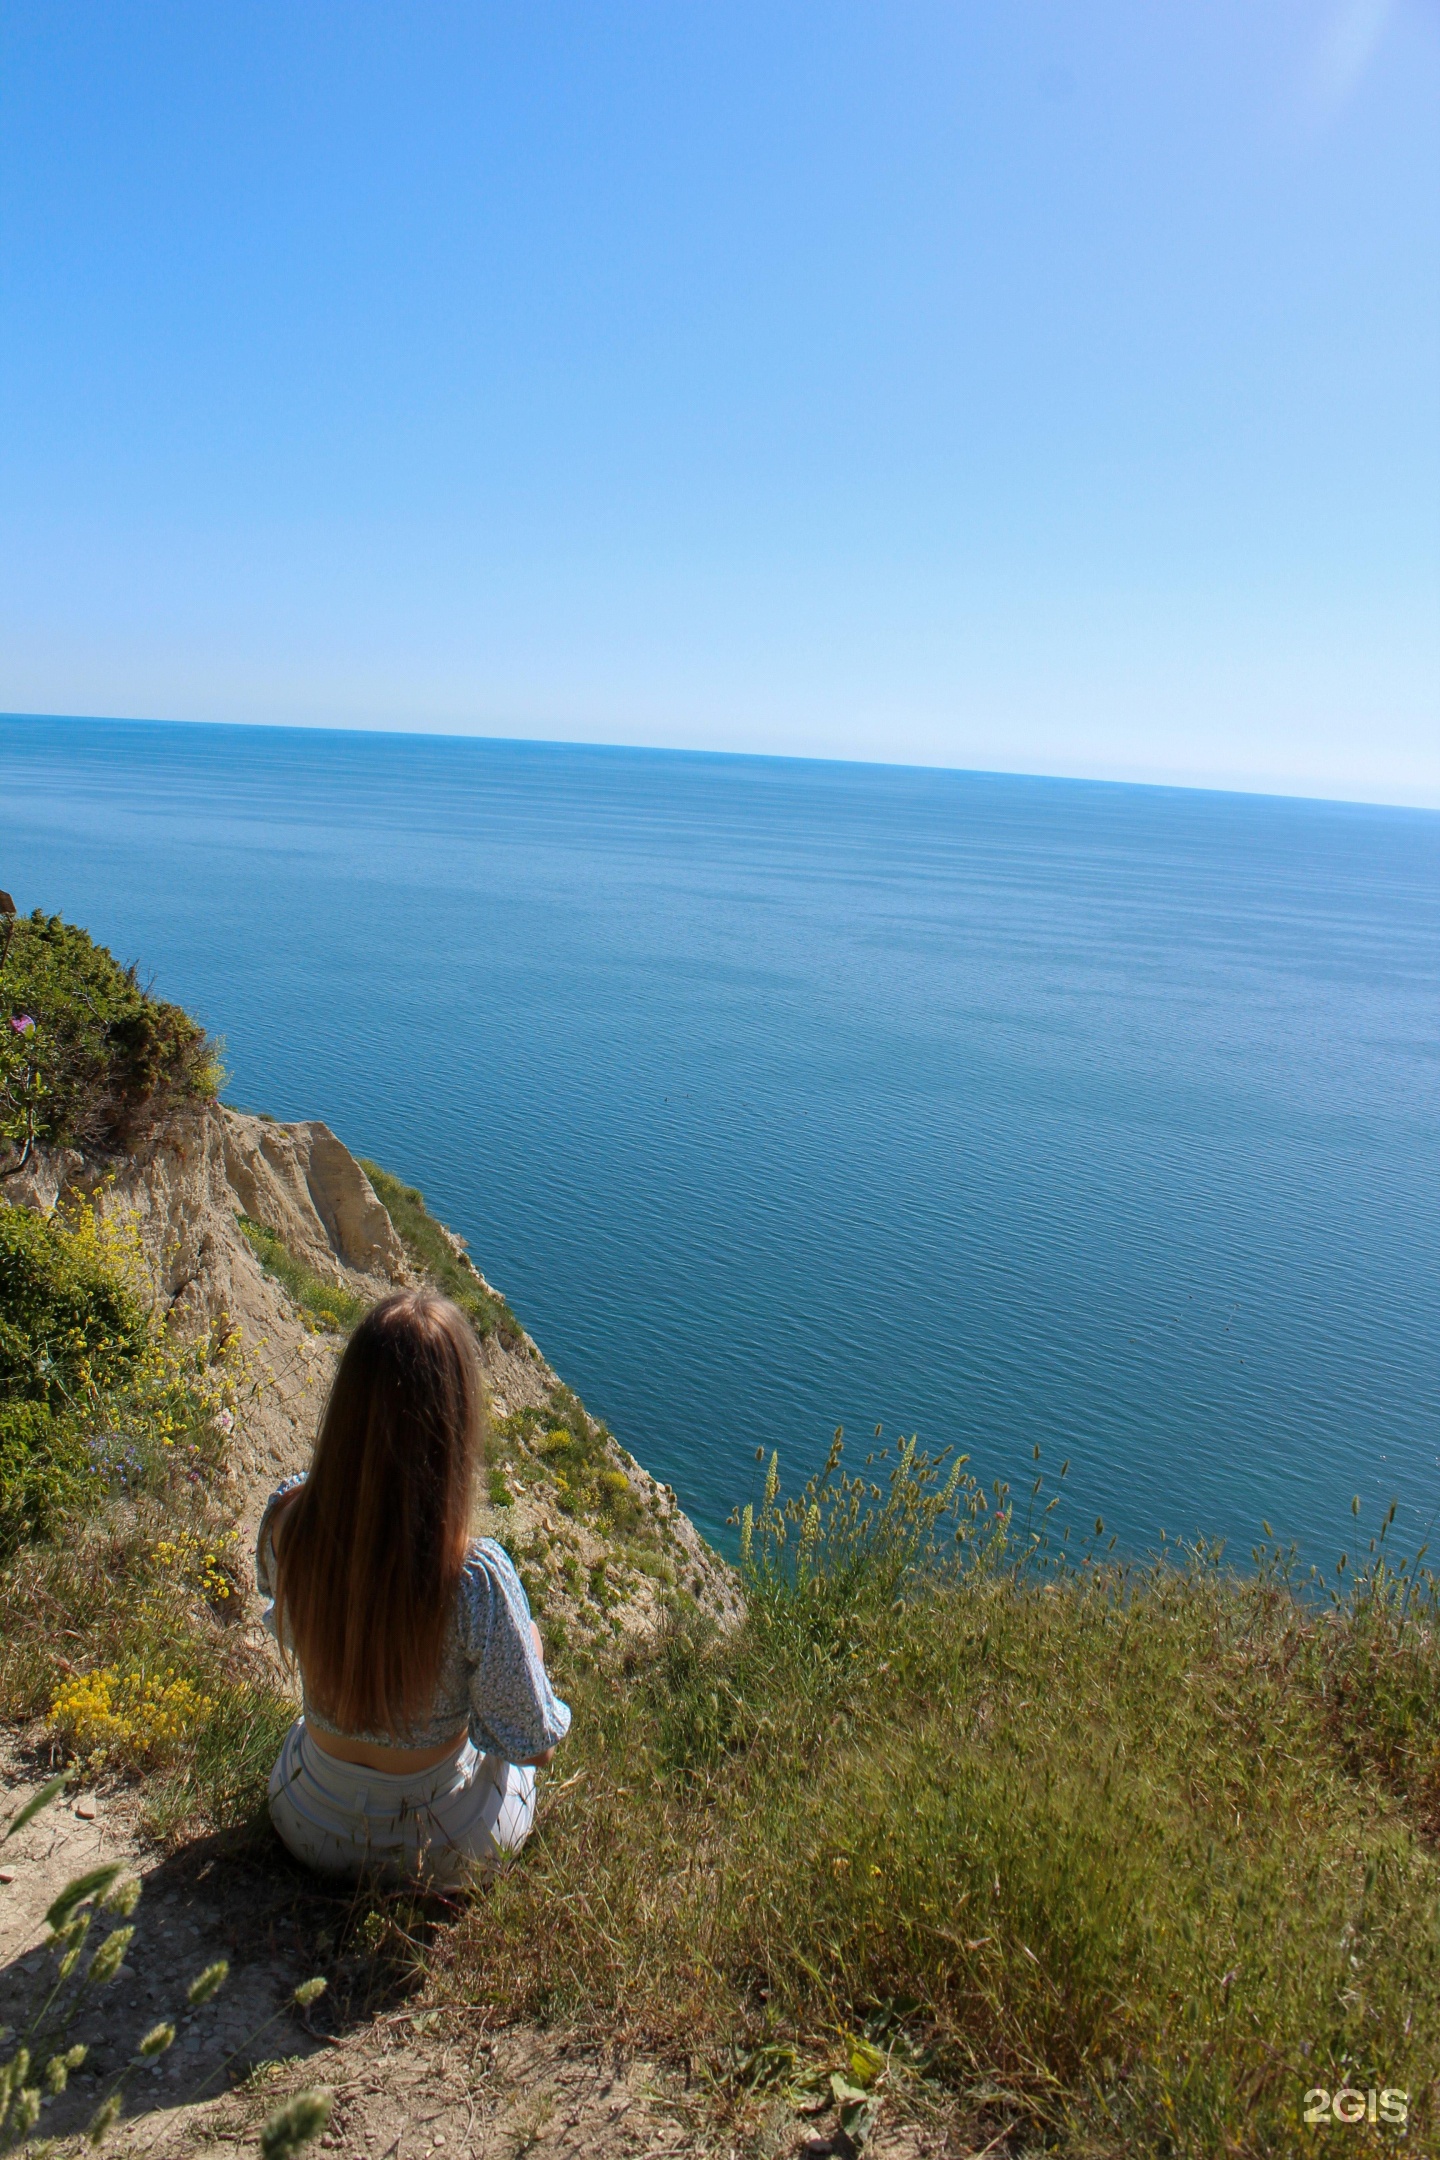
(426, 1704)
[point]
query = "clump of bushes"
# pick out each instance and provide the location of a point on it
(432, 1253)
(71, 1331)
(95, 1395)
(115, 1620)
(70, 1324)
(87, 1056)
(118, 1641)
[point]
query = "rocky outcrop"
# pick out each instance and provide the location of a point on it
(185, 1189)
(305, 1186)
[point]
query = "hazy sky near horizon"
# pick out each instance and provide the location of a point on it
(1025, 384)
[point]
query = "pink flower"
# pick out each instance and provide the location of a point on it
(22, 1023)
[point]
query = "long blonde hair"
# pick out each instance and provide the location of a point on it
(368, 1554)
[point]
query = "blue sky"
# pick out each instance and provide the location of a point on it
(1047, 387)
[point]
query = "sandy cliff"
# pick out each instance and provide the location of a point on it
(185, 1188)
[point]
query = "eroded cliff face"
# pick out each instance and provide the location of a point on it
(605, 1558)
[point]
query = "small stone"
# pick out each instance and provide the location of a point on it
(7, 1874)
(86, 1810)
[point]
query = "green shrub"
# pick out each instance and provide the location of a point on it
(115, 1623)
(86, 1055)
(432, 1253)
(69, 1324)
(48, 1472)
(96, 1397)
(73, 1332)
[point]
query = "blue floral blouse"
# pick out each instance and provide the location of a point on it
(490, 1678)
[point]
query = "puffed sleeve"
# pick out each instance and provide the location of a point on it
(265, 1548)
(514, 1711)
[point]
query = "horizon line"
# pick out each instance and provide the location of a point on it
(1275, 792)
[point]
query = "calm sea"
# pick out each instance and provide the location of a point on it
(780, 1094)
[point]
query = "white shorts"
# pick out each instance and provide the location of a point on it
(435, 1825)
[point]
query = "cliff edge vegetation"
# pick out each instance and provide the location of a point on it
(87, 1055)
(1080, 1856)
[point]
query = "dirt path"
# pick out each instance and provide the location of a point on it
(186, 1919)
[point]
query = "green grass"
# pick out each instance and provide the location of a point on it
(1126, 1859)
(327, 1305)
(576, 1454)
(431, 1251)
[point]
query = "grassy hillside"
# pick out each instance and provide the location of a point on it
(1121, 1861)
(1083, 1859)
(324, 1306)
